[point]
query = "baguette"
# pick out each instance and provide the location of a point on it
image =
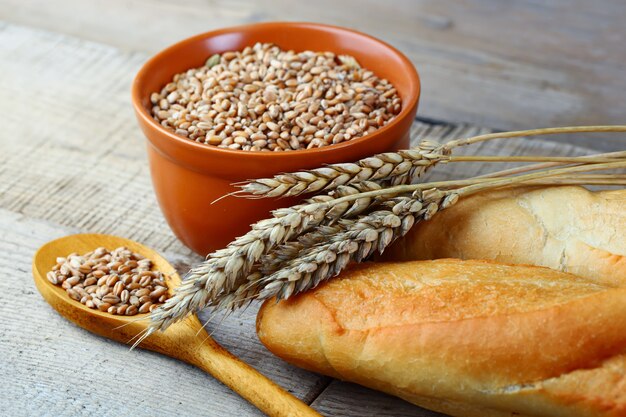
(466, 338)
(567, 228)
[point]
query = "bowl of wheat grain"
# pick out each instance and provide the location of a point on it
(257, 100)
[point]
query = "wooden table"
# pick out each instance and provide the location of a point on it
(72, 160)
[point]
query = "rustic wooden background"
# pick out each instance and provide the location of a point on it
(503, 64)
(72, 160)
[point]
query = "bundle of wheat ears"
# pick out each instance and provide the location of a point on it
(358, 210)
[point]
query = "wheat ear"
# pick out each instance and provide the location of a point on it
(400, 167)
(404, 167)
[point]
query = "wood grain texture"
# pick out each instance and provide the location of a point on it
(347, 399)
(508, 65)
(72, 160)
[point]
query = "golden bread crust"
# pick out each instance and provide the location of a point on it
(463, 337)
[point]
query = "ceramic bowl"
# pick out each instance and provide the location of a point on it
(188, 176)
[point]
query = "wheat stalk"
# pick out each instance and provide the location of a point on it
(299, 267)
(533, 167)
(401, 166)
(496, 181)
(536, 132)
(406, 166)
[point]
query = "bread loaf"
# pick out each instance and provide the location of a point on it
(565, 228)
(466, 338)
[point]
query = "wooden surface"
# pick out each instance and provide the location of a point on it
(504, 64)
(72, 160)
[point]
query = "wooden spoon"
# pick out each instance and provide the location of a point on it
(185, 340)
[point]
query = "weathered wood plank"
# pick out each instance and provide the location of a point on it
(72, 159)
(346, 399)
(509, 65)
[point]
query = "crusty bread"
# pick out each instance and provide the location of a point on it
(466, 338)
(565, 228)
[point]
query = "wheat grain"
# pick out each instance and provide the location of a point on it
(267, 99)
(106, 280)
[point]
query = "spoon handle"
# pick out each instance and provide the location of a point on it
(188, 342)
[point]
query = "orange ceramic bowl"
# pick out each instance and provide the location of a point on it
(188, 176)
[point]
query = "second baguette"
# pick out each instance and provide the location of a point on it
(568, 229)
(467, 338)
